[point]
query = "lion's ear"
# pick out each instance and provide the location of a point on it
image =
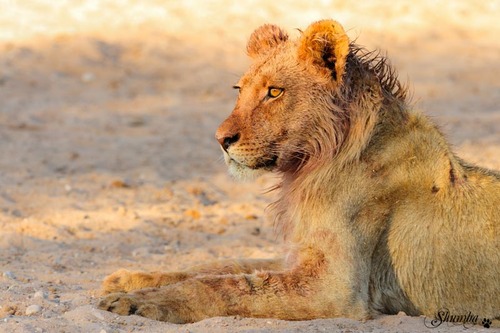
(326, 45)
(265, 38)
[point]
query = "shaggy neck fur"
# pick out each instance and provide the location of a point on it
(370, 96)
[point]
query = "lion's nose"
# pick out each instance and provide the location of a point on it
(227, 140)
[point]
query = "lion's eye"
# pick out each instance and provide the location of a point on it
(274, 92)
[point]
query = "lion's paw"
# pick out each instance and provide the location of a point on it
(124, 280)
(130, 304)
(120, 303)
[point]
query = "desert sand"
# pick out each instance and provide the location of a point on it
(107, 152)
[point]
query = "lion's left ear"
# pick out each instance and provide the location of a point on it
(265, 38)
(326, 45)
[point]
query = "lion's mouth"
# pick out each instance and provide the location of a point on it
(268, 163)
(263, 163)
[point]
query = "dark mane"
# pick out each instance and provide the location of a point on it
(361, 62)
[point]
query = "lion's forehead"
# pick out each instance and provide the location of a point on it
(275, 69)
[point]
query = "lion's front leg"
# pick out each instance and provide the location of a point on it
(257, 295)
(304, 292)
(276, 295)
(124, 280)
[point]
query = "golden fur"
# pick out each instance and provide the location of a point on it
(380, 215)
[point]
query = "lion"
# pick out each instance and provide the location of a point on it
(379, 215)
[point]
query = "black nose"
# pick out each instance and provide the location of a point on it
(227, 141)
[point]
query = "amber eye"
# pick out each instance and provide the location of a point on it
(274, 92)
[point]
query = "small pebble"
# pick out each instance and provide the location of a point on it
(88, 77)
(33, 309)
(9, 275)
(40, 294)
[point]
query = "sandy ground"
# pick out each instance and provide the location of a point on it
(107, 156)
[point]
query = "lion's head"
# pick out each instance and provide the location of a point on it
(292, 110)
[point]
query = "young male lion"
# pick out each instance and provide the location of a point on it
(381, 215)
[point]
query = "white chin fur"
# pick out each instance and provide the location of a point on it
(240, 171)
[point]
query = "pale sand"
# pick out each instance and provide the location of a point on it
(107, 154)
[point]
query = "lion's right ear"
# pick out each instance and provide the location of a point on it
(264, 38)
(325, 45)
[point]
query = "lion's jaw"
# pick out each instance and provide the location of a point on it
(240, 170)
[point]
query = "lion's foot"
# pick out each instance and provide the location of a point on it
(129, 304)
(139, 303)
(124, 280)
(120, 303)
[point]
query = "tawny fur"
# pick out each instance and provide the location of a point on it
(380, 215)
